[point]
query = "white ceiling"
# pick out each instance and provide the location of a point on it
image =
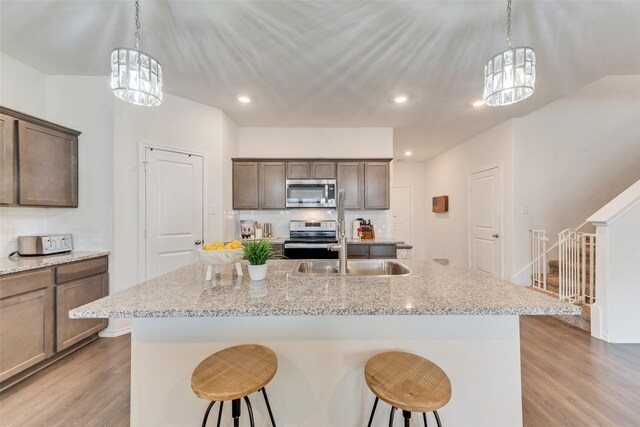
(337, 63)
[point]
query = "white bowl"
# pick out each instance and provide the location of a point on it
(228, 256)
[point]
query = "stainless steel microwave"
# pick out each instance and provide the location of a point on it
(311, 193)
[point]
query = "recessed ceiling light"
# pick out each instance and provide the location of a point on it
(400, 99)
(244, 99)
(478, 103)
(408, 153)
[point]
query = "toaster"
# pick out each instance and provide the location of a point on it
(44, 245)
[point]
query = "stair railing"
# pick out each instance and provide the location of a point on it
(535, 257)
(574, 250)
(539, 241)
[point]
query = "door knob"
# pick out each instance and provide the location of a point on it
(495, 235)
(198, 242)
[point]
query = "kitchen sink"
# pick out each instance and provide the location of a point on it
(369, 267)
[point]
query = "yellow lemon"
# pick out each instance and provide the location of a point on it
(236, 244)
(228, 246)
(218, 244)
(208, 247)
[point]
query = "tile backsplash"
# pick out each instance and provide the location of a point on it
(382, 220)
(90, 232)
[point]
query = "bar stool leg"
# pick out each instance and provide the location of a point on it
(266, 400)
(393, 411)
(246, 400)
(373, 411)
(235, 412)
(220, 413)
(206, 414)
(424, 418)
(407, 418)
(437, 418)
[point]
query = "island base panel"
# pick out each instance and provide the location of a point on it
(320, 380)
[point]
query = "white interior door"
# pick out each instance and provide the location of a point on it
(401, 208)
(173, 210)
(485, 201)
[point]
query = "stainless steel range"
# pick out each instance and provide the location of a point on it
(311, 240)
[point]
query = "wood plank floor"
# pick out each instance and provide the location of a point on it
(572, 379)
(87, 388)
(568, 379)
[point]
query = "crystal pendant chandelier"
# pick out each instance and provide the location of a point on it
(136, 77)
(510, 76)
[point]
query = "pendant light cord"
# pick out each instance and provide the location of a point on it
(138, 25)
(509, 23)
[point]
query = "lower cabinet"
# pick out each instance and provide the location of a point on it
(26, 321)
(372, 251)
(74, 294)
(34, 319)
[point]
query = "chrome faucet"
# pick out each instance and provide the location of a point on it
(341, 246)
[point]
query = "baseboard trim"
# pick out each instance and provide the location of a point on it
(621, 340)
(106, 333)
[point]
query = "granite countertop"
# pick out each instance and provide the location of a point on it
(432, 289)
(378, 240)
(17, 264)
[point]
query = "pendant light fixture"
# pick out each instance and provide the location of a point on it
(510, 76)
(136, 77)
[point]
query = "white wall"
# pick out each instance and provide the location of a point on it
(448, 174)
(412, 175)
(315, 142)
(572, 156)
(229, 151)
(180, 124)
(22, 87)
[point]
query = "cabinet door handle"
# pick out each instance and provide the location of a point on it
(495, 235)
(198, 242)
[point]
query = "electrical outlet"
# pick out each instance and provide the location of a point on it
(524, 209)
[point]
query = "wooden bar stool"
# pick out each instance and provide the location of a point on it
(407, 382)
(233, 374)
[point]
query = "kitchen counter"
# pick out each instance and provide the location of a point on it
(377, 240)
(431, 289)
(17, 264)
(323, 330)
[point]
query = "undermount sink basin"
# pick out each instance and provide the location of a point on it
(369, 267)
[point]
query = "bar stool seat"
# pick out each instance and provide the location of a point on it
(407, 382)
(233, 374)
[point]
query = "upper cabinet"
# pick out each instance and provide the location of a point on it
(39, 162)
(366, 184)
(300, 169)
(351, 178)
(261, 183)
(376, 185)
(8, 158)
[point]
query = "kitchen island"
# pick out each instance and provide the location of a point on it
(323, 330)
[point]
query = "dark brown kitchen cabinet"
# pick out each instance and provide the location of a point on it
(35, 328)
(376, 185)
(8, 161)
(351, 178)
(298, 170)
(74, 294)
(272, 185)
(311, 170)
(26, 321)
(39, 162)
(372, 251)
(245, 185)
(259, 185)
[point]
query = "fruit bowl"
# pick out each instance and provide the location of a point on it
(220, 257)
(216, 258)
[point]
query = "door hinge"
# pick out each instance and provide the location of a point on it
(144, 164)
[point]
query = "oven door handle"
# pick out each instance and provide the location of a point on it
(306, 245)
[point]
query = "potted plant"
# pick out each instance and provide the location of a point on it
(257, 252)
